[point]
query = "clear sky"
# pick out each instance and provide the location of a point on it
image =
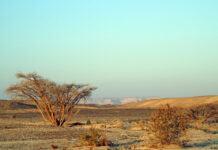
(127, 48)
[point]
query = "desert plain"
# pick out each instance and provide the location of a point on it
(23, 128)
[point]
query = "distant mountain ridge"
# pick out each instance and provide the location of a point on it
(178, 102)
(116, 100)
(123, 102)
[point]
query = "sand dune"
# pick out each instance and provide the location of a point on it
(179, 102)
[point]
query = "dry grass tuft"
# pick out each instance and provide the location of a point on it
(12, 116)
(142, 124)
(54, 146)
(167, 126)
(94, 137)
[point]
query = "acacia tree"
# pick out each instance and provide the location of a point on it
(54, 101)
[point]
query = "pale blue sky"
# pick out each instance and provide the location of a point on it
(127, 48)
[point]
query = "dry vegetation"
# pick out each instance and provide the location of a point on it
(55, 102)
(94, 137)
(203, 113)
(168, 125)
(125, 128)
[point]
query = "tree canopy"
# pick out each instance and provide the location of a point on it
(55, 101)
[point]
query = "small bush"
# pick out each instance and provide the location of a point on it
(88, 122)
(203, 113)
(13, 116)
(116, 124)
(94, 137)
(141, 124)
(167, 125)
(54, 146)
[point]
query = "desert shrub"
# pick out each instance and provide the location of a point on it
(142, 124)
(88, 122)
(54, 101)
(54, 146)
(94, 137)
(167, 125)
(13, 116)
(203, 113)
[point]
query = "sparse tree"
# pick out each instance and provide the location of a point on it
(54, 101)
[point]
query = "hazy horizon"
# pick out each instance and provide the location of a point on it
(125, 48)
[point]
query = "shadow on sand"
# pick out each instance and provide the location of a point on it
(211, 132)
(202, 144)
(128, 143)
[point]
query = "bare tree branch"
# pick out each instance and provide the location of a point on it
(54, 101)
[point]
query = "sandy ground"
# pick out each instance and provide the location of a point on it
(124, 127)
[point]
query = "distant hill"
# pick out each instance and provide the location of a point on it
(16, 104)
(179, 102)
(154, 103)
(28, 104)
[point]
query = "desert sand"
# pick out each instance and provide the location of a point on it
(22, 127)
